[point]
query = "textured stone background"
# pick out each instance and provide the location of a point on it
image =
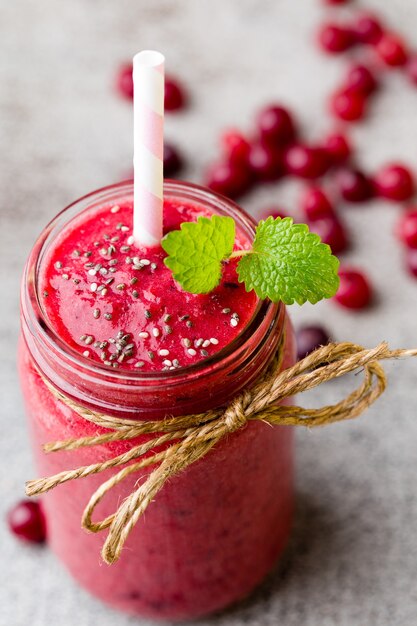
(63, 132)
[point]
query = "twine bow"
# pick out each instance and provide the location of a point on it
(189, 438)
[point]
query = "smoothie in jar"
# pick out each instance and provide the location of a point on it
(105, 323)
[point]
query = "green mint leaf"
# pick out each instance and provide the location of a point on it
(196, 251)
(289, 263)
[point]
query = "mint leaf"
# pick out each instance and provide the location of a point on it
(197, 250)
(289, 263)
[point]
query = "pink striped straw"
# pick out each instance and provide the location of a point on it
(148, 129)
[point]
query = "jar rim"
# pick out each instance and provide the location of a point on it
(39, 325)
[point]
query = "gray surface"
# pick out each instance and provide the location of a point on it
(353, 557)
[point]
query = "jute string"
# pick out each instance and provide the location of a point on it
(189, 438)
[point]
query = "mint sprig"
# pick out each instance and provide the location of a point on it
(195, 253)
(286, 263)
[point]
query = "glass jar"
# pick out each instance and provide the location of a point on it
(214, 530)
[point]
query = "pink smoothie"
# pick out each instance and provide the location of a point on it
(118, 304)
(215, 530)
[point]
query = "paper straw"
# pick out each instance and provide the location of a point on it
(148, 125)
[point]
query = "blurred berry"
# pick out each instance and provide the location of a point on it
(309, 338)
(354, 291)
(265, 162)
(27, 521)
(275, 126)
(391, 50)
(407, 228)
(394, 182)
(335, 39)
(305, 161)
(124, 81)
(367, 29)
(172, 160)
(331, 231)
(348, 106)
(354, 186)
(315, 204)
(175, 97)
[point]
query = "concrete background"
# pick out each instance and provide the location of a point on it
(64, 132)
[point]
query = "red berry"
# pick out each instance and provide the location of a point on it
(411, 262)
(391, 50)
(360, 79)
(315, 204)
(172, 160)
(412, 69)
(275, 126)
(175, 97)
(265, 163)
(367, 29)
(407, 228)
(354, 186)
(330, 231)
(228, 179)
(236, 145)
(309, 338)
(27, 521)
(273, 212)
(348, 105)
(336, 2)
(354, 290)
(334, 38)
(337, 147)
(306, 162)
(394, 182)
(124, 81)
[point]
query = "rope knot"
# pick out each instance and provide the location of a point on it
(234, 416)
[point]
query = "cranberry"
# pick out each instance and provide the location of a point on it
(27, 521)
(348, 105)
(367, 29)
(412, 69)
(265, 163)
(309, 338)
(273, 212)
(334, 38)
(360, 78)
(275, 126)
(394, 182)
(306, 162)
(330, 231)
(124, 81)
(315, 204)
(236, 145)
(172, 160)
(407, 228)
(228, 179)
(411, 262)
(354, 290)
(354, 186)
(337, 147)
(391, 50)
(175, 97)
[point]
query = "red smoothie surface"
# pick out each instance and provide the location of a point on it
(118, 304)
